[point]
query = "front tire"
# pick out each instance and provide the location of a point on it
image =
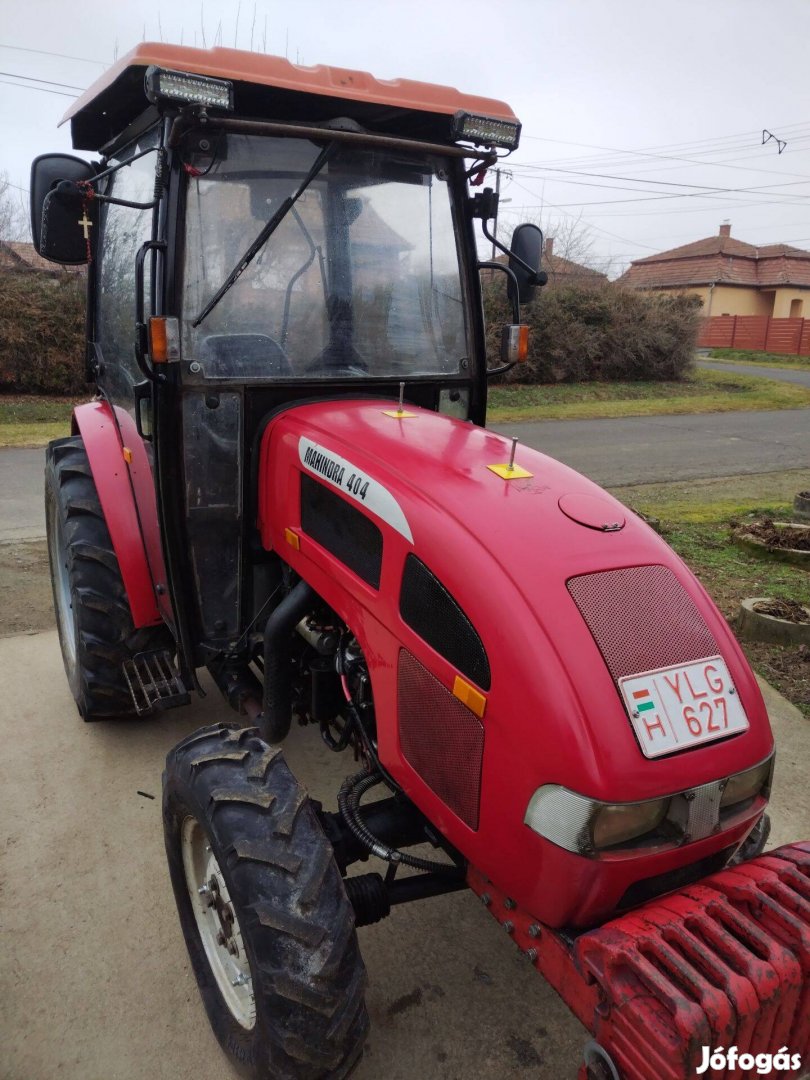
(263, 909)
(95, 625)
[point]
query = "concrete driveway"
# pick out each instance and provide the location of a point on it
(95, 983)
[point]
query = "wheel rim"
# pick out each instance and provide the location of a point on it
(217, 924)
(57, 548)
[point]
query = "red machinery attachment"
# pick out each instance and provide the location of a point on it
(721, 964)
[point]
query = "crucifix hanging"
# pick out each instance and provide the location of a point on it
(85, 223)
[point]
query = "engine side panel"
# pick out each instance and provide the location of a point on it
(506, 551)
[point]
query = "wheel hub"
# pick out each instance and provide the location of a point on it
(218, 926)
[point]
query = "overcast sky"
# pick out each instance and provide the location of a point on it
(627, 89)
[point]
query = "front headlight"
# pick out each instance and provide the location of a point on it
(583, 825)
(619, 822)
(746, 785)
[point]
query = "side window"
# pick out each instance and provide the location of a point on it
(123, 231)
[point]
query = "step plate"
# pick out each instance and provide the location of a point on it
(154, 682)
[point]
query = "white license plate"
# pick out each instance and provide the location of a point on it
(683, 706)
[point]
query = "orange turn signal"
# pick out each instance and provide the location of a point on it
(158, 351)
(515, 343)
(164, 340)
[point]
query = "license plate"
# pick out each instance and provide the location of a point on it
(683, 706)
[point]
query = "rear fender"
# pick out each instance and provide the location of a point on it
(114, 477)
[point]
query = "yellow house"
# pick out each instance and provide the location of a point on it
(730, 276)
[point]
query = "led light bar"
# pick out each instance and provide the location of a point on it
(163, 86)
(486, 130)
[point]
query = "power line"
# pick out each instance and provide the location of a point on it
(62, 56)
(44, 89)
(31, 78)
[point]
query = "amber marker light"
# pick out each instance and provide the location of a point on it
(157, 341)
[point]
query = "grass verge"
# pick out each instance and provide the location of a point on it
(696, 518)
(704, 391)
(27, 420)
(761, 359)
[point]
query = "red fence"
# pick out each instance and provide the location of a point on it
(756, 332)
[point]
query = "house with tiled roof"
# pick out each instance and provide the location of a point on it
(730, 276)
(18, 256)
(562, 271)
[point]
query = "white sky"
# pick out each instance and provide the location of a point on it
(696, 79)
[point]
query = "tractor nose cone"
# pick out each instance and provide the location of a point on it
(592, 511)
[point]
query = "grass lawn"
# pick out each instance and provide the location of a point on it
(696, 517)
(746, 356)
(701, 392)
(28, 420)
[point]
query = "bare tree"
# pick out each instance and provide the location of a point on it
(568, 239)
(13, 211)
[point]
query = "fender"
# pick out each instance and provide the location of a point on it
(115, 478)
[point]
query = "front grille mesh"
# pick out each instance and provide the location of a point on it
(642, 619)
(440, 738)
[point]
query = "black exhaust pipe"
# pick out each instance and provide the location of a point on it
(274, 722)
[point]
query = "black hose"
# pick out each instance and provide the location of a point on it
(349, 796)
(274, 722)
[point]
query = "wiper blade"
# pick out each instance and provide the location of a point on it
(266, 233)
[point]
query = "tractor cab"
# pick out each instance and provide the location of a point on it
(257, 234)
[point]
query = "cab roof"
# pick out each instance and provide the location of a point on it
(272, 87)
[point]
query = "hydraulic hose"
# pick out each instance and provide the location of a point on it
(349, 796)
(274, 722)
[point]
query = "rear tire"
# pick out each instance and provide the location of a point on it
(95, 625)
(263, 909)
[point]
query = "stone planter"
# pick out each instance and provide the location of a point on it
(801, 506)
(792, 555)
(756, 626)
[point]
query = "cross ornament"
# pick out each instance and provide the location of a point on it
(86, 224)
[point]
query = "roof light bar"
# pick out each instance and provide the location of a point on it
(165, 86)
(486, 130)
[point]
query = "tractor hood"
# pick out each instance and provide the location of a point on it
(503, 613)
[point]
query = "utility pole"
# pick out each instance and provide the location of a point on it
(497, 201)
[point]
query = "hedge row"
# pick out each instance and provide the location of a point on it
(586, 333)
(42, 333)
(576, 333)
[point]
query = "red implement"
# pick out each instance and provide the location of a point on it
(722, 963)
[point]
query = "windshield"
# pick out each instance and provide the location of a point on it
(360, 277)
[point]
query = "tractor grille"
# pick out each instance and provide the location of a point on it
(642, 619)
(724, 962)
(440, 738)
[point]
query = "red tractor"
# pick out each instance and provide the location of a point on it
(285, 478)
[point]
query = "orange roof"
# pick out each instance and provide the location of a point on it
(275, 71)
(721, 259)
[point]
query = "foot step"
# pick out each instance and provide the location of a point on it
(154, 681)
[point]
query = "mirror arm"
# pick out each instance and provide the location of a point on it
(534, 274)
(141, 342)
(490, 265)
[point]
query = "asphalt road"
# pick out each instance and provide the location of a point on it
(653, 449)
(95, 982)
(791, 375)
(634, 450)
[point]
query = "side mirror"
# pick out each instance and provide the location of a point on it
(527, 245)
(57, 209)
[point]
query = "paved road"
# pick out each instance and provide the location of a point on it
(634, 450)
(791, 375)
(95, 981)
(650, 449)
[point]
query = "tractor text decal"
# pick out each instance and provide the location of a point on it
(339, 472)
